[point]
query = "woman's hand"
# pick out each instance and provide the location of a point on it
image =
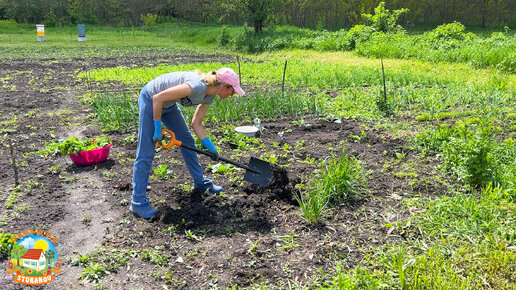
(157, 131)
(211, 148)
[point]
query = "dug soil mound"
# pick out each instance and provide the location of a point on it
(196, 210)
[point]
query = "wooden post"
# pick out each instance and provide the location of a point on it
(13, 161)
(384, 90)
(283, 82)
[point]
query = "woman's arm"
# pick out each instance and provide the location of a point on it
(169, 95)
(197, 118)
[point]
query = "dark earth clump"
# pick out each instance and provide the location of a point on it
(196, 209)
(279, 188)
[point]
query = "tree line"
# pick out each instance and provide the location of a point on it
(314, 14)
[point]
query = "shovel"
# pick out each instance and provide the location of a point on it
(258, 172)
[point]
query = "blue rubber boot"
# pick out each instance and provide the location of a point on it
(208, 185)
(143, 209)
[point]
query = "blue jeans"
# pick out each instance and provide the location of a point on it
(173, 119)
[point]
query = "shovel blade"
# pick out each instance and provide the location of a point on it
(264, 176)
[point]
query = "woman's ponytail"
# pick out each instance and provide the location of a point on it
(209, 78)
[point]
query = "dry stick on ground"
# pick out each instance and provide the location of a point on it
(13, 161)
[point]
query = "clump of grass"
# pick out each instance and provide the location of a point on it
(312, 204)
(333, 184)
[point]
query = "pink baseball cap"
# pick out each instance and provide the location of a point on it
(229, 76)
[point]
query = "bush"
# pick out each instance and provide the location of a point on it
(450, 31)
(224, 37)
(357, 34)
(508, 64)
(383, 19)
(246, 40)
(149, 19)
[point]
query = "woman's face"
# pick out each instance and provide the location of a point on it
(226, 91)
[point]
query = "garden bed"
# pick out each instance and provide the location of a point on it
(248, 236)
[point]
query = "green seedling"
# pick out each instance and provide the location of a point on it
(163, 172)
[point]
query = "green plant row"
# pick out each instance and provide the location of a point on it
(449, 42)
(116, 112)
(119, 113)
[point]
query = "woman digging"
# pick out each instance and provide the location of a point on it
(158, 104)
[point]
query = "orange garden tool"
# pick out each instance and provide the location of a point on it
(258, 172)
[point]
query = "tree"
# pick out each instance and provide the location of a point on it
(257, 12)
(18, 252)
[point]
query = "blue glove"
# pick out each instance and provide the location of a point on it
(211, 148)
(157, 131)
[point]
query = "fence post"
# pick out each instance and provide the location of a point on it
(384, 89)
(239, 75)
(283, 82)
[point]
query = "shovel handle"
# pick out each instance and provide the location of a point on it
(208, 153)
(173, 141)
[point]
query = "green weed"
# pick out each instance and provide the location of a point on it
(94, 273)
(333, 184)
(163, 172)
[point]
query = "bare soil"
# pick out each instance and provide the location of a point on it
(248, 235)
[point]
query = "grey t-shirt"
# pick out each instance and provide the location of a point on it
(195, 81)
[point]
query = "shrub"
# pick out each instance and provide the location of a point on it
(224, 37)
(508, 64)
(149, 19)
(383, 19)
(246, 40)
(471, 153)
(450, 31)
(357, 34)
